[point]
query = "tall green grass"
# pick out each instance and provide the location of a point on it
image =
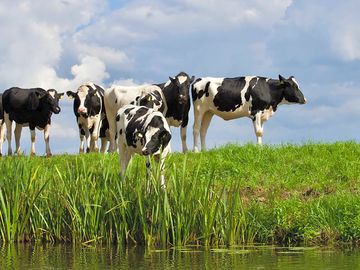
(285, 194)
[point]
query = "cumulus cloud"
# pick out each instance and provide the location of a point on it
(34, 32)
(62, 44)
(113, 58)
(334, 21)
(140, 21)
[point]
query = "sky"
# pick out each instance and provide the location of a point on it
(63, 43)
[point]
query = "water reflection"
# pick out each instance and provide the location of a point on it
(115, 257)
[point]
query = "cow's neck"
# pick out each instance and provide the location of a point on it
(277, 93)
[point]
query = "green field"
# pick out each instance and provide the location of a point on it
(290, 194)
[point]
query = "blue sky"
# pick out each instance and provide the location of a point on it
(61, 44)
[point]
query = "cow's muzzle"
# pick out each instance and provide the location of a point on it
(182, 99)
(82, 112)
(57, 110)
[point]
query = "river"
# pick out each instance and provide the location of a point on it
(48, 257)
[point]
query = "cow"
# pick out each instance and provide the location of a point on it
(177, 98)
(171, 98)
(90, 116)
(144, 131)
(2, 125)
(229, 98)
(31, 107)
(118, 96)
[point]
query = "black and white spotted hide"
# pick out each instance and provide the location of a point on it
(90, 116)
(142, 131)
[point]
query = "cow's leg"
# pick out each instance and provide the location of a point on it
(148, 173)
(124, 158)
(163, 155)
(32, 137)
(8, 124)
(87, 138)
(183, 131)
(103, 145)
(198, 116)
(17, 133)
(47, 140)
(112, 132)
(258, 127)
(95, 136)
(82, 139)
(161, 160)
(204, 127)
(2, 135)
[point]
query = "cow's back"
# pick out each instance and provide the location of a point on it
(119, 96)
(18, 99)
(225, 97)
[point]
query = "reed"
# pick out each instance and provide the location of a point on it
(286, 194)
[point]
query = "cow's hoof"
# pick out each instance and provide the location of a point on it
(31, 154)
(88, 150)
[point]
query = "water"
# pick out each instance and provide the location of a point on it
(250, 257)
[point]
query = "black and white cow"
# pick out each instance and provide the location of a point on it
(177, 97)
(251, 96)
(143, 131)
(2, 125)
(90, 116)
(118, 96)
(171, 98)
(29, 107)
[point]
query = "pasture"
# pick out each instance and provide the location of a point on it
(290, 194)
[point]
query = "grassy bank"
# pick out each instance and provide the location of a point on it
(273, 194)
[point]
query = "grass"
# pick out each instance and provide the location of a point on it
(287, 194)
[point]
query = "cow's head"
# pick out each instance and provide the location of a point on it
(292, 93)
(152, 100)
(45, 100)
(83, 98)
(181, 83)
(156, 137)
(53, 98)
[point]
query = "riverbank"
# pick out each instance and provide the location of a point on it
(290, 194)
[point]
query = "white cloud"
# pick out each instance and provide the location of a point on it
(142, 21)
(90, 69)
(33, 33)
(111, 57)
(336, 20)
(62, 44)
(346, 39)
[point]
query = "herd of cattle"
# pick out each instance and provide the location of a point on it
(136, 119)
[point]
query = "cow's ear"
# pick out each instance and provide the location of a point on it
(149, 98)
(174, 80)
(192, 79)
(70, 94)
(138, 135)
(60, 95)
(281, 79)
